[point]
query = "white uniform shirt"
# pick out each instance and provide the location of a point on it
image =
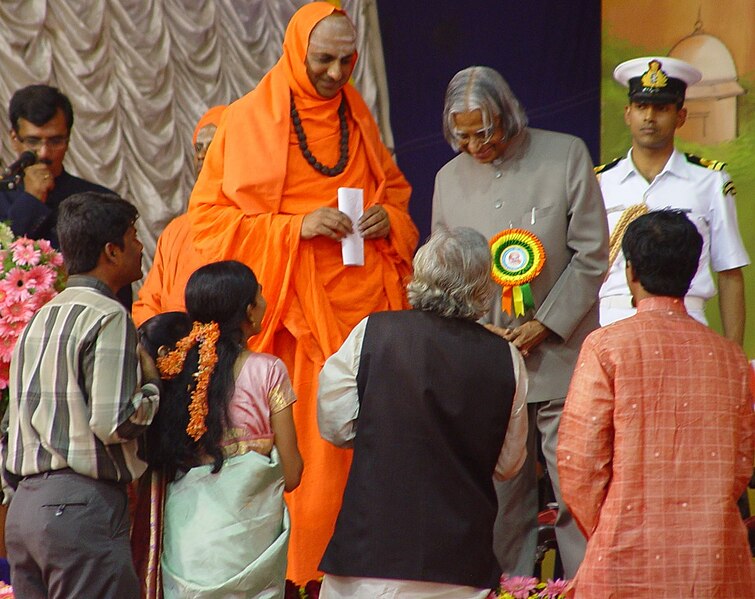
(684, 185)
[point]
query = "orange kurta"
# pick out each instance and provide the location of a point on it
(175, 260)
(655, 447)
(248, 204)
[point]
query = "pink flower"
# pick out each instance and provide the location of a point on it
(520, 587)
(15, 285)
(45, 247)
(19, 311)
(56, 259)
(8, 327)
(554, 588)
(7, 343)
(43, 277)
(24, 252)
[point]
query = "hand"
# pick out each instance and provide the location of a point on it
(38, 181)
(529, 335)
(149, 370)
(375, 223)
(328, 222)
(507, 334)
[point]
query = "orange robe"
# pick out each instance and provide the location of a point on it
(249, 203)
(175, 258)
(175, 261)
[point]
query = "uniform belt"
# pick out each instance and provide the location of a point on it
(624, 302)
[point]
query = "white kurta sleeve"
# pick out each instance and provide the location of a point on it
(514, 450)
(337, 395)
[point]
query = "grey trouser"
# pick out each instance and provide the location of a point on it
(67, 538)
(515, 534)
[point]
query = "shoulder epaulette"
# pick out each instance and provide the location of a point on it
(729, 188)
(714, 165)
(607, 166)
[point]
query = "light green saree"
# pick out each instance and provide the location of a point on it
(226, 534)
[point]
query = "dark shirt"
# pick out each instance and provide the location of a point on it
(32, 218)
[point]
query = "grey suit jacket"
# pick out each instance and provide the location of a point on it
(544, 183)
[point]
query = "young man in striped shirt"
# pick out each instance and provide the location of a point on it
(81, 393)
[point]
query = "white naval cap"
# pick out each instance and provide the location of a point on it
(658, 79)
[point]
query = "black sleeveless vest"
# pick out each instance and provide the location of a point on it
(435, 399)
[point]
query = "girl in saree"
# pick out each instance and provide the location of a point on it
(227, 445)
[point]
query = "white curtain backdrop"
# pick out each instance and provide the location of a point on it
(140, 73)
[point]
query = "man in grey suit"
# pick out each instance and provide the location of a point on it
(534, 195)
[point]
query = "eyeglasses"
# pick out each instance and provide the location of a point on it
(35, 143)
(482, 137)
(200, 147)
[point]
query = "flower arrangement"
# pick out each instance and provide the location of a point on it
(31, 274)
(511, 587)
(529, 587)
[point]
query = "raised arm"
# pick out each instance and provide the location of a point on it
(121, 406)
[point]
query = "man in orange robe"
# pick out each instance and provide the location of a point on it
(175, 259)
(267, 196)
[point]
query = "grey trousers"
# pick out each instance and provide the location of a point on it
(67, 537)
(515, 534)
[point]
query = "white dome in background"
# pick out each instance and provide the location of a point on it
(712, 58)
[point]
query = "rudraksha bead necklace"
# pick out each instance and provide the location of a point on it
(344, 144)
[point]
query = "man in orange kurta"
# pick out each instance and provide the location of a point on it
(175, 259)
(267, 196)
(656, 439)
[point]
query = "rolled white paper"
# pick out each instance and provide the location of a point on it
(351, 203)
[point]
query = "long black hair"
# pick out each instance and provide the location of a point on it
(220, 293)
(159, 335)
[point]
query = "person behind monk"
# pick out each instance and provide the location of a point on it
(656, 439)
(175, 258)
(227, 445)
(459, 420)
(267, 196)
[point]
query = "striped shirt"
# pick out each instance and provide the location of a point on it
(75, 399)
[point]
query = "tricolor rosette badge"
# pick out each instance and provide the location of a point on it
(518, 257)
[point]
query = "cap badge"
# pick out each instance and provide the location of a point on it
(654, 77)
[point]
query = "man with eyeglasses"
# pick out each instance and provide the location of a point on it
(532, 193)
(41, 118)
